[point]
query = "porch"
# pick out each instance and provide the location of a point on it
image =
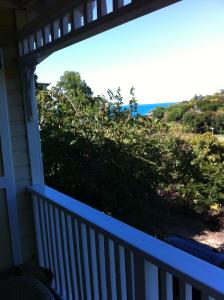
(92, 255)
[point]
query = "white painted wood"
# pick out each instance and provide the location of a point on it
(169, 286)
(86, 261)
(65, 254)
(59, 252)
(42, 223)
(94, 264)
(25, 46)
(33, 137)
(56, 29)
(9, 176)
(188, 292)
(103, 7)
(72, 250)
(90, 11)
(39, 39)
(102, 267)
(78, 17)
(123, 273)
(112, 271)
(47, 34)
(48, 236)
(189, 269)
(38, 230)
(65, 24)
(79, 257)
(54, 248)
(31, 42)
(151, 281)
(133, 276)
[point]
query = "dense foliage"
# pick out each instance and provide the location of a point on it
(133, 167)
(199, 115)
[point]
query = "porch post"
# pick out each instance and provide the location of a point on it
(32, 124)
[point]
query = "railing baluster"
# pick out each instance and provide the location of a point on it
(112, 270)
(169, 286)
(205, 296)
(102, 267)
(48, 236)
(72, 254)
(98, 264)
(77, 258)
(39, 236)
(80, 260)
(90, 260)
(65, 254)
(166, 285)
(139, 278)
(185, 291)
(117, 261)
(59, 250)
(68, 256)
(43, 230)
(130, 280)
(151, 281)
(123, 284)
(53, 247)
(86, 260)
(94, 263)
(107, 265)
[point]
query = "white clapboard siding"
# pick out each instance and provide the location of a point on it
(20, 151)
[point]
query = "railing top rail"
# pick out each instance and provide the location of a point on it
(192, 269)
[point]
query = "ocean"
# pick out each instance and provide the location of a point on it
(144, 109)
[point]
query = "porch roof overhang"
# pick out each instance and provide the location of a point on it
(54, 24)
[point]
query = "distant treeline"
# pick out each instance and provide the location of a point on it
(199, 115)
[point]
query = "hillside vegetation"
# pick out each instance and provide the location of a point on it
(199, 115)
(142, 170)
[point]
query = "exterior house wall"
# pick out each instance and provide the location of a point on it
(20, 154)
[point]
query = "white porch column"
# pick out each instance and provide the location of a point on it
(32, 124)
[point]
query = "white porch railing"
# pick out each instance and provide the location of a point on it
(94, 256)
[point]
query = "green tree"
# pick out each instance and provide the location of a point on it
(72, 82)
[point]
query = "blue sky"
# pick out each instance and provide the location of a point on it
(169, 55)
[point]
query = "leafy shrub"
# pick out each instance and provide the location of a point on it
(132, 167)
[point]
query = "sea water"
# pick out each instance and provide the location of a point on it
(144, 109)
